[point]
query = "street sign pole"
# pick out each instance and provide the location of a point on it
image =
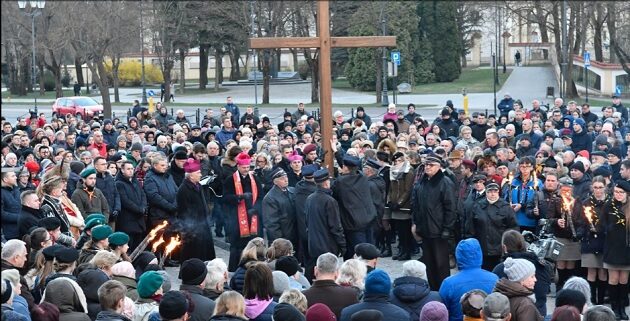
(587, 63)
(395, 56)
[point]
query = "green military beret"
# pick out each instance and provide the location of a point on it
(149, 283)
(88, 171)
(118, 238)
(101, 232)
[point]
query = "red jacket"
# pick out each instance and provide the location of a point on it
(102, 149)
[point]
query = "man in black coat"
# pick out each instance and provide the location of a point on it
(357, 215)
(177, 167)
(161, 193)
(303, 189)
(490, 218)
(105, 182)
(242, 198)
(323, 222)
(433, 215)
(30, 214)
(133, 201)
(278, 208)
(192, 215)
(371, 169)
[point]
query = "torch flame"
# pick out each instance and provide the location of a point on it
(588, 212)
(172, 245)
(510, 178)
(535, 180)
(159, 242)
(567, 204)
(155, 231)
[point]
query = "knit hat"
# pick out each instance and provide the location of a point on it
(118, 238)
(32, 166)
(624, 185)
(49, 223)
(579, 284)
(180, 155)
(173, 305)
(149, 283)
(88, 171)
(434, 311)
(601, 139)
(615, 151)
(193, 272)
(496, 306)
(136, 147)
(518, 269)
(579, 166)
(124, 268)
(580, 121)
(287, 312)
(243, 159)
(377, 282)
(320, 312)
(76, 166)
(571, 297)
(288, 265)
(101, 232)
(280, 282)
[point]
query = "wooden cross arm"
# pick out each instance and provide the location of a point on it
(314, 42)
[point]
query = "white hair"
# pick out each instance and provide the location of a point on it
(415, 268)
(12, 248)
(353, 271)
(216, 273)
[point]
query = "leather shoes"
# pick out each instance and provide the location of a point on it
(171, 263)
(387, 252)
(402, 257)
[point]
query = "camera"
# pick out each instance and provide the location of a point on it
(207, 180)
(544, 245)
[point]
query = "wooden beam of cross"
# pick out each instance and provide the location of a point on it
(324, 42)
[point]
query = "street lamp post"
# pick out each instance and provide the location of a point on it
(36, 10)
(144, 87)
(385, 99)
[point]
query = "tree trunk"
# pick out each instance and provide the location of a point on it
(12, 65)
(379, 77)
(578, 22)
(294, 51)
(464, 62)
(234, 66)
(612, 29)
(182, 70)
(26, 82)
(56, 71)
(79, 71)
(42, 89)
(203, 66)
(219, 69)
(597, 20)
(313, 67)
(167, 68)
(541, 19)
(115, 78)
(266, 75)
(570, 87)
(557, 32)
(100, 77)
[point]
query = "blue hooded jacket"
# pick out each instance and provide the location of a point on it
(470, 277)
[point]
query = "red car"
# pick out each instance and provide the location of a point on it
(81, 107)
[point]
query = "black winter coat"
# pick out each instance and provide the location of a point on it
(617, 244)
(350, 191)
(106, 183)
(161, 193)
(592, 241)
(194, 223)
(90, 280)
(278, 209)
(110, 316)
(489, 221)
(11, 208)
(582, 188)
(29, 218)
(581, 141)
(230, 205)
(377, 193)
(303, 189)
(133, 203)
(177, 173)
(204, 307)
(433, 206)
(411, 294)
(325, 233)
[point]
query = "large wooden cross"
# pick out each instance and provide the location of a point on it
(324, 42)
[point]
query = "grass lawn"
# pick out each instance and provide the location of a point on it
(474, 80)
(595, 102)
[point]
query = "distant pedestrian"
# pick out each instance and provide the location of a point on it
(517, 58)
(162, 92)
(172, 92)
(77, 89)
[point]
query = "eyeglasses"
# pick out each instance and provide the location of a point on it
(431, 164)
(598, 187)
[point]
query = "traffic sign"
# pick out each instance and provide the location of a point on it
(151, 93)
(587, 59)
(395, 55)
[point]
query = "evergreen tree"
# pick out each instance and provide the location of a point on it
(439, 26)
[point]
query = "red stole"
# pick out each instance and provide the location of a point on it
(244, 227)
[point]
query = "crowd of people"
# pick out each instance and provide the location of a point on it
(80, 196)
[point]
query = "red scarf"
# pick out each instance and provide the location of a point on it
(244, 227)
